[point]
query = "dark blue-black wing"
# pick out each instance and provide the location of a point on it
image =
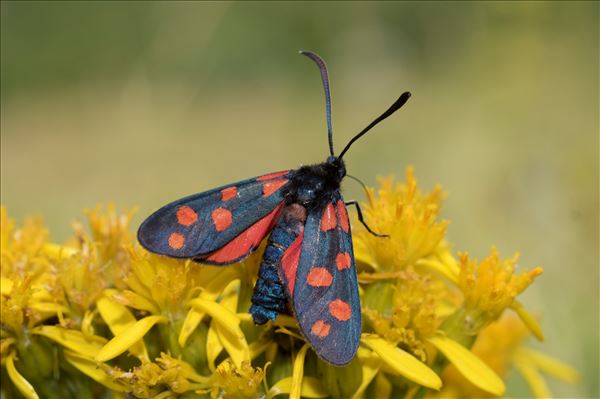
(323, 284)
(219, 226)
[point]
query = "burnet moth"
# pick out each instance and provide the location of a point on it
(308, 264)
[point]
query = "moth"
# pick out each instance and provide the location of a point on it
(308, 265)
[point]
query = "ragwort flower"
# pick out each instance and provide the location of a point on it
(501, 345)
(108, 314)
(408, 216)
(491, 286)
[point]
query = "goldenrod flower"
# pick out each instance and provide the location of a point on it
(241, 382)
(501, 345)
(490, 286)
(102, 313)
(167, 375)
(412, 314)
(408, 216)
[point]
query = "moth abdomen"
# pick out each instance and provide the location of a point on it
(269, 297)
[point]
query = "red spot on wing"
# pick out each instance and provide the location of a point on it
(328, 220)
(222, 218)
(340, 310)
(343, 260)
(343, 214)
(319, 277)
(271, 186)
(186, 216)
(246, 241)
(271, 176)
(228, 193)
(320, 328)
(289, 262)
(176, 241)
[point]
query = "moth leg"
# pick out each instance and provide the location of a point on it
(362, 220)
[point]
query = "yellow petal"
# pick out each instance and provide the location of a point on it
(238, 350)
(136, 301)
(192, 319)
(534, 380)
(56, 251)
(129, 336)
(90, 368)
(298, 373)
(437, 267)
(230, 295)
(20, 382)
(527, 318)
(48, 309)
(383, 388)
(119, 318)
(238, 353)
(86, 324)
(402, 362)
(258, 347)
(549, 365)
(213, 280)
(213, 345)
(283, 330)
(227, 328)
(364, 257)
(311, 388)
(246, 317)
(371, 364)
(6, 285)
(469, 365)
(217, 312)
(72, 339)
(137, 285)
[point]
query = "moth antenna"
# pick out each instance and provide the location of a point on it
(393, 108)
(325, 77)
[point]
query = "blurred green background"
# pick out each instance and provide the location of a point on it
(144, 102)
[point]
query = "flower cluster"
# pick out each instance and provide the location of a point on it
(100, 314)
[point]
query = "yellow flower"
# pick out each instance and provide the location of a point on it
(25, 301)
(230, 381)
(111, 316)
(110, 232)
(501, 345)
(412, 314)
(22, 249)
(166, 377)
(408, 216)
(422, 306)
(163, 290)
(490, 286)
